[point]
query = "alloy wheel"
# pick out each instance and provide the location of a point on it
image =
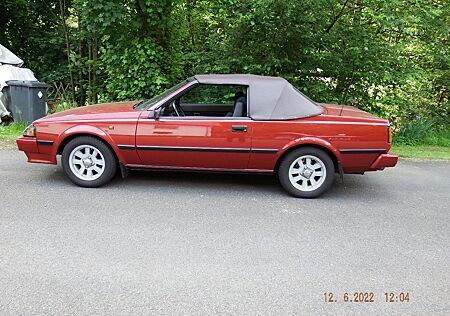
(86, 162)
(307, 173)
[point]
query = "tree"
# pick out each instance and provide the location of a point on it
(388, 57)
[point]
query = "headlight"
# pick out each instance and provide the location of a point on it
(30, 131)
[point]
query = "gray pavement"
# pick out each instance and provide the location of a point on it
(190, 244)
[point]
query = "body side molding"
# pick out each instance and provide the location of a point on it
(202, 149)
(362, 151)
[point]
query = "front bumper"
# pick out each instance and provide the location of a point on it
(30, 147)
(384, 161)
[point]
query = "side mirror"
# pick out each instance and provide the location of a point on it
(155, 114)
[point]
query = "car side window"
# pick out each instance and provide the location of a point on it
(211, 101)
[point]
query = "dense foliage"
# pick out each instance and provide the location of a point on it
(390, 57)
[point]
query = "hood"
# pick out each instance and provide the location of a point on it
(95, 111)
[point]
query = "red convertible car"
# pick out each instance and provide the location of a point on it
(215, 123)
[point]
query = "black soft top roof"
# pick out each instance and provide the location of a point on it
(271, 98)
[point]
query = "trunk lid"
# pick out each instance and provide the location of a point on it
(346, 110)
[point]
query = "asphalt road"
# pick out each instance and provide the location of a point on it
(189, 244)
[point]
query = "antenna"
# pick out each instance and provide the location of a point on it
(344, 98)
(342, 108)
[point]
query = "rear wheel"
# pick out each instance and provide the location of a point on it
(306, 172)
(88, 162)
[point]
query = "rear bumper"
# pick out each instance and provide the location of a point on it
(30, 147)
(384, 161)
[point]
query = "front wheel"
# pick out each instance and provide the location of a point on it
(306, 172)
(88, 162)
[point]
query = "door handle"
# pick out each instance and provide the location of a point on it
(239, 128)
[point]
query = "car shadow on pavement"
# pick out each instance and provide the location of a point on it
(353, 186)
(199, 181)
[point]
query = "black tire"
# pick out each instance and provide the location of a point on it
(283, 172)
(110, 162)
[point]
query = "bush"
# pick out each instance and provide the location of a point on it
(62, 106)
(413, 132)
(439, 137)
(423, 131)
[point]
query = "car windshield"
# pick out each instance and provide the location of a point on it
(146, 104)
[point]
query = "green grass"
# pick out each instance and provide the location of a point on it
(12, 131)
(421, 151)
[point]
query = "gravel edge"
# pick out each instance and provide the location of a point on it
(8, 144)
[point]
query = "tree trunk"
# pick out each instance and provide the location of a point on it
(337, 17)
(90, 71)
(80, 70)
(94, 72)
(191, 6)
(62, 6)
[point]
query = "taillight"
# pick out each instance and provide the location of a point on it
(389, 134)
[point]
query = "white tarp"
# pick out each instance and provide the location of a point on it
(7, 57)
(10, 70)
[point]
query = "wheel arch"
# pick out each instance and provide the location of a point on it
(331, 153)
(70, 136)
